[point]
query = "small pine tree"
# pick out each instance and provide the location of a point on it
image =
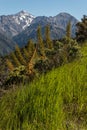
(68, 30)
(19, 55)
(30, 67)
(30, 48)
(47, 36)
(26, 54)
(10, 65)
(15, 60)
(40, 44)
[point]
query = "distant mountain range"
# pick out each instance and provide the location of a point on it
(21, 27)
(57, 24)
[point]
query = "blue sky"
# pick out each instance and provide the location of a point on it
(76, 8)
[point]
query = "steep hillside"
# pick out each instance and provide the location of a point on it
(57, 24)
(56, 101)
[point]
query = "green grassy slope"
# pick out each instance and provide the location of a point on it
(57, 101)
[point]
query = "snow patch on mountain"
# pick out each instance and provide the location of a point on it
(14, 24)
(23, 18)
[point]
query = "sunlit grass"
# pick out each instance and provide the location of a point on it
(56, 101)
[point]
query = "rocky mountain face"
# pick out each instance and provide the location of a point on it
(7, 45)
(12, 25)
(57, 24)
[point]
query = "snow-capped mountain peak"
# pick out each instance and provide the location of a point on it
(25, 13)
(16, 23)
(23, 18)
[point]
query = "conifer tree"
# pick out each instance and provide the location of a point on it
(19, 55)
(40, 44)
(81, 33)
(30, 48)
(48, 38)
(26, 54)
(68, 30)
(15, 60)
(10, 65)
(30, 67)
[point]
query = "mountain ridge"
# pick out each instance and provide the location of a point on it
(57, 24)
(13, 24)
(20, 27)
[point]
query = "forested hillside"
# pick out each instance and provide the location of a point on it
(31, 61)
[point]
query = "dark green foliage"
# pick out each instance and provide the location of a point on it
(26, 54)
(30, 48)
(18, 75)
(70, 49)
(81, 34)
(15, 60)
(49, 52)
(73, 50)
(3, 71)
(17, 64)
(58, 45)
(20, 56)
(10, 65)
(43, 65)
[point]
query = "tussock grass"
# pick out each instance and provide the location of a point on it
(57, 101)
